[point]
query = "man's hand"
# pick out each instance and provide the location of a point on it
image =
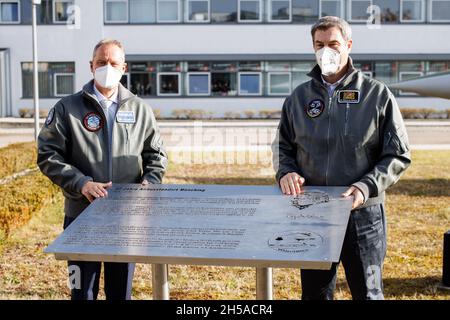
(358, 197)
(93, 190)
(292, 183)
(144, 182)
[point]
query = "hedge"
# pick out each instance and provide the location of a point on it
(16, 158)
(22, 198)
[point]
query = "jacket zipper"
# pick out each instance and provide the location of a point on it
(328, 137)
(347, 109)
(128, 139)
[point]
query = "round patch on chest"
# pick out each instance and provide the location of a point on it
(93, 122)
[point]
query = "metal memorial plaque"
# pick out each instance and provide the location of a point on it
(254, 226)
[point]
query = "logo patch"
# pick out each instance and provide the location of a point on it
(125, 117)
(315, 108)
(50, 117)
(93, 122)
(348, 96)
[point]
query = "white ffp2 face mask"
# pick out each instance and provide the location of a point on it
(107, 76)
(329, 60)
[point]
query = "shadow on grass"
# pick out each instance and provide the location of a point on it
(422, 187)
(411, 287)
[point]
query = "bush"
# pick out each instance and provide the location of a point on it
(22, 198)
(157, 113)
(422, 113)
(232, 115)
(250, 114)
(17, 157)
(179, 113)
(270, 114)
(29, 113)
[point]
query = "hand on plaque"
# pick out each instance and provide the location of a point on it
(292, 183)
(358, 197)
(93, 190)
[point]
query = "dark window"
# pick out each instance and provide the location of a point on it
(55, 79)
(223, 11)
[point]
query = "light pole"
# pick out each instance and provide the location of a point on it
(35, 70)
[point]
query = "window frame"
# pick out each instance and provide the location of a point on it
(158, 84)
(54, 10)
(55, 81)
(341, 7)
(422, 7)
(194, 21)
(430, 12)
(269, 87)
(406, 93)
(116, 21)
(188, 85)
(269, 12)
(349, 11)
(260, 19)
(260, 74)
(18, 12)
(179, 13)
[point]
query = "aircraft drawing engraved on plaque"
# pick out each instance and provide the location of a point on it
(309, 198)
(295, 241)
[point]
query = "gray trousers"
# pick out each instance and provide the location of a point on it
(362, 257)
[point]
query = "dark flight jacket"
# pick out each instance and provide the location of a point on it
(73, 145)
(354, 137)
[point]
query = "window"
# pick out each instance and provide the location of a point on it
(249, 83)
(437, 66)
(169, 11)
(389, 10)
(300, 72)
(439, 10)
(198, 83)
(280, 10)
(386, 71)
(224, 11)
(279, 83)
(169, 84)
(408, 75)
(412, 11)
(198, 11)
(250, 11)
(143, 78)
(60, 10)
(305, 11)
(331, 8)
(223, 79)
(142, 11)
(55, 79)
(63, 84)
(125, 80)
(116, 11)
(358, 10)
(9, 11)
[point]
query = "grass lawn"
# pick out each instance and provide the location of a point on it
(418, 213)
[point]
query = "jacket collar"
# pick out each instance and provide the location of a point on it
(123, 94)
(316, 73)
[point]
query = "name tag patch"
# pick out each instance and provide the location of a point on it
(349, 96)
(126, 117)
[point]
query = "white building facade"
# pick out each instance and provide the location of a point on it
(215, 55)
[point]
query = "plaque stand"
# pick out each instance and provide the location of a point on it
(160, 281)
(264, 284)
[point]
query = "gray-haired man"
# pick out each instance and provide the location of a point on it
(101, 135)
(343, 128)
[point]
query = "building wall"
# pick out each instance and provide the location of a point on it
(58, 43)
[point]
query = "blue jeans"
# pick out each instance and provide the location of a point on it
(362, 257)
(84, 277)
